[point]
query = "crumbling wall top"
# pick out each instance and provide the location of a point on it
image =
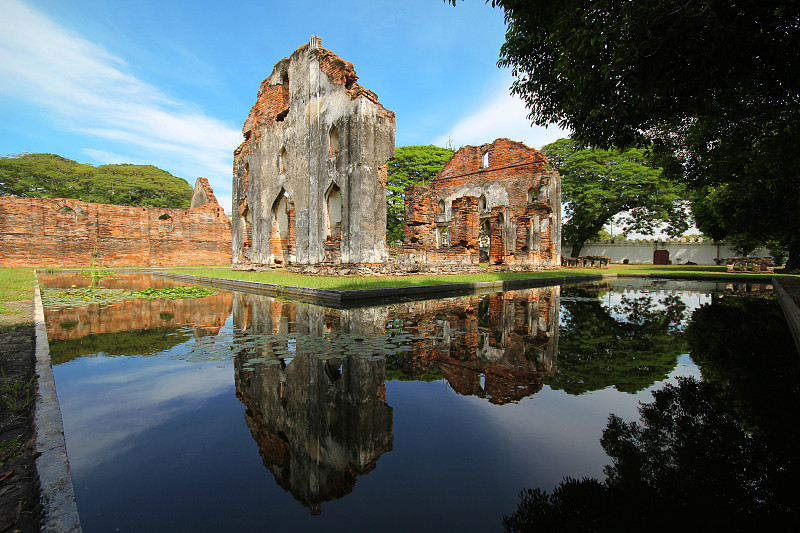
(203, 194)
(502, 154)
(272, 102)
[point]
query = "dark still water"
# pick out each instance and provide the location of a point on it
(237, 412)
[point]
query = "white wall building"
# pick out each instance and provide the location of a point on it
(680, 252)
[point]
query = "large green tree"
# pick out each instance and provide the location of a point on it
(711, 85)
(53, 176)
(411, 165)
(597, 185)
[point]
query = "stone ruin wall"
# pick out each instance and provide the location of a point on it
(309, 178)
(47, 232)
(503, 188)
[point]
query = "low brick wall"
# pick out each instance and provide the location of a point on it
(46, 232)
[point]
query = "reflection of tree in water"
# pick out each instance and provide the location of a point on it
(629, 345)
(717, 455)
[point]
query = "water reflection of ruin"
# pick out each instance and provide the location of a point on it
(319, 422)
(497, 346)
(206, 315)
(320, 418)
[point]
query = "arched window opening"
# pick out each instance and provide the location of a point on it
(532, 194)
(334, 144)
(441, 207)
(485, 160)
(282, 161)
(247, 231)
(165, 223)
(281, 210)
(333, 212)
(285, 88)
(482, 203)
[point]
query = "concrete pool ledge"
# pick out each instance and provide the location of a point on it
(57, 496)
(367, 297)
(790, 311)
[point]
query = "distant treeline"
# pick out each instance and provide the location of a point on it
(53, 176)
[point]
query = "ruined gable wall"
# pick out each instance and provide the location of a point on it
(40, 232)
(298, 105)
(203, 194)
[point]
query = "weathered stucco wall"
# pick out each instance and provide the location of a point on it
(499, 194)
(309, 178)
(46, 232)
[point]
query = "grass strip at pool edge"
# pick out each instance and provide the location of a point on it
(283, 278)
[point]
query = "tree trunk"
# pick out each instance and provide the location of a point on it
(576, 249)
(793, 262)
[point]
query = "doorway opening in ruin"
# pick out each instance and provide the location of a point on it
(282, 236)
(484, 241)
(333, 149)
(247, 231)
(443, 236)
(333, 213)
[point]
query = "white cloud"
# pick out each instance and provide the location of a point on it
(85, 89)
(110, 158)
(503, 115)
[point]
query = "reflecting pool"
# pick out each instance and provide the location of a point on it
(238, 411)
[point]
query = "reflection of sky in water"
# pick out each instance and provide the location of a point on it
(160, 443)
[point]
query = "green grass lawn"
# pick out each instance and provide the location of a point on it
(284, 278)
(16, 285)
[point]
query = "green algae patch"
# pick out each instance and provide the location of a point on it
(82, 296)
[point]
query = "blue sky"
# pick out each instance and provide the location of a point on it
(170, 83)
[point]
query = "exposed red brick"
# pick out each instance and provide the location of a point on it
(45, 232)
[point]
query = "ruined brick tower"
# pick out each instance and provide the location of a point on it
(309, 180)
(498, 198)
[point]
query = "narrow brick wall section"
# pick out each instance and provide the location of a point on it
(45, 232)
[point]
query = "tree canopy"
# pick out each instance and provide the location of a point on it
(597, 185)
(708, 84)
(411, 165)
(53, 176)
